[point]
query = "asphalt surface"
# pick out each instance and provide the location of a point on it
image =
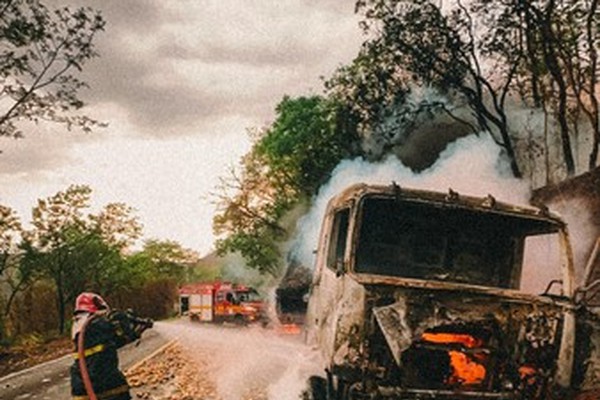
(50, 381)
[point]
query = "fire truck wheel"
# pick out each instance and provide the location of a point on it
(239, 320)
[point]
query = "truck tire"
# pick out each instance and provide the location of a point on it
(316, 389)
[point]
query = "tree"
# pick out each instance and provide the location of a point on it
(15, 273)
(41, 53)
(306, 141)
(168, 259)
(485, 53)
(554, 46)
(249, 210)
(117, 226)
(10, 232)
(77, 251)
(377, 101)
(418, 39)
(287, 164)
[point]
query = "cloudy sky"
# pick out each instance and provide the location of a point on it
(179, 82)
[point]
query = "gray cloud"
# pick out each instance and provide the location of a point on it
(37, 151)
(176, 68)
(286, 53)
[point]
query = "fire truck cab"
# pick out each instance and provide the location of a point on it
(221, 302)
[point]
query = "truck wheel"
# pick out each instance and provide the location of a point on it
(316, 389)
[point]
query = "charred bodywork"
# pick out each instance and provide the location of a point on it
(416, 295)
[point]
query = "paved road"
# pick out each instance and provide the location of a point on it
(50, 381)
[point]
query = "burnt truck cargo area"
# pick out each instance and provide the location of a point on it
(418, 295)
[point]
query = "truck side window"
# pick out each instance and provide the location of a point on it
(229, 297)
(338, 238)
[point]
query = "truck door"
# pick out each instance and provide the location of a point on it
(329, 283)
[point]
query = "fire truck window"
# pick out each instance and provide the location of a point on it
(337, 241)
(229, 297)
(184, 304)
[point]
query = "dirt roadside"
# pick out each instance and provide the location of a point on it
(21, 357)
(171, 375)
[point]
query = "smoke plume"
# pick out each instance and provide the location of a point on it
(473, 165)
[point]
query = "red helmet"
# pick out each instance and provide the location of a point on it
(90, 302)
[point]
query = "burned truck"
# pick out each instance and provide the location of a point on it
(419, 295)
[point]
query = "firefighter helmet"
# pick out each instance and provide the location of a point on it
(90, 302)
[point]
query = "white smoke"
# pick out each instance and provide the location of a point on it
(472, 165)
(578, 216)
(246, 363)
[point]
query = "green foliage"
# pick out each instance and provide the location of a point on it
(69, 250)
(42, 52)
(167, 259)
(259, 249)
(368, 88)
(74, 250)
(286, 166)
(305, 143)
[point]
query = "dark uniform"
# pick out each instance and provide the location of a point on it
(105, 332)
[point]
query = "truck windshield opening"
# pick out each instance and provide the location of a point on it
(443, 242)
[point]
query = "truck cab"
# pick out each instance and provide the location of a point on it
(419, 294)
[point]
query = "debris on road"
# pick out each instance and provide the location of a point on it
(173, 375)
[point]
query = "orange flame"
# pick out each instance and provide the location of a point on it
(465, 370)
(289, 329)
(446, 338)
(528, 374)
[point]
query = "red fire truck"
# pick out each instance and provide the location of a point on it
(221, 302)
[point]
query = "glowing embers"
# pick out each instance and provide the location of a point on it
(447, 359)
(467, 369)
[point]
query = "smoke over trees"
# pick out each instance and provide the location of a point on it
(429, 71)
(491, 57)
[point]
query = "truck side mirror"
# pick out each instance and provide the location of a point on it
(585, 293)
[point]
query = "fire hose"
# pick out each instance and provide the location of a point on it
(85, 376)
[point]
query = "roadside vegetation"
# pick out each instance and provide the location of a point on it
(66, 250)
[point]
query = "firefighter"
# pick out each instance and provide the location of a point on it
(97, 333)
